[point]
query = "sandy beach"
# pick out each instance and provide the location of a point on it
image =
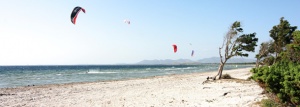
(184, 90)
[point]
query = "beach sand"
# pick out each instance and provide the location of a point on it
(185, 90)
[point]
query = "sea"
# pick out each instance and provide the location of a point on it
(16, 76)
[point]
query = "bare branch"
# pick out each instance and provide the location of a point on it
(220, 54)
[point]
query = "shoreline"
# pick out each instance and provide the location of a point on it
(124, 79)
(167, 90)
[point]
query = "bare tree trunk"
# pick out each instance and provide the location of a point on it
(257, 63)
(221, 69)
(276, 55)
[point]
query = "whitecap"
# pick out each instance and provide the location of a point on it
(98, 72)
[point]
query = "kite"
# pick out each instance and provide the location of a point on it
(175, 48)
(192, 53)
(75, 13)
(127, 21)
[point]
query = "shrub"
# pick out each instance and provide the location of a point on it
(269, 103)
(282, 78)
(226, 76)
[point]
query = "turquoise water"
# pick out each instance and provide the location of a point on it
(14, 76)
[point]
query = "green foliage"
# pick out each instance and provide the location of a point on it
(282, 35)
(283, 79)
(236, 43)
(247, 43)
(264, 56)
(268, 60)
(269, 103)
(283, 76)
(236, 27)
(293, 50)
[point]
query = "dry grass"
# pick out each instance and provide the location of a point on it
(226, 76)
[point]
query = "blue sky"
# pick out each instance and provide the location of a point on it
(39, 32)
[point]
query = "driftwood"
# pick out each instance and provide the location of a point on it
(225, 93)
(208, 79)
(6, 94)
(206, 87)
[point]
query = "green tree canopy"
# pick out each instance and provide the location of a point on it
(282, 35)
(293, 49)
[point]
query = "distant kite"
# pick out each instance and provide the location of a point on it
(192, 53)
(75, 13)
(175, 48)
(127, 21)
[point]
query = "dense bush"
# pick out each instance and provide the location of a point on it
(269, 103)
(282, 78)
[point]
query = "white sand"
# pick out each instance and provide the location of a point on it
(184, 90)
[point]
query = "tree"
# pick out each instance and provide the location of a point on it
(235, 44)
(264, 52)
(282, 77)
(282, 35)
(293, 49)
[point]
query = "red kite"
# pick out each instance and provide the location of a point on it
(75, 12)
